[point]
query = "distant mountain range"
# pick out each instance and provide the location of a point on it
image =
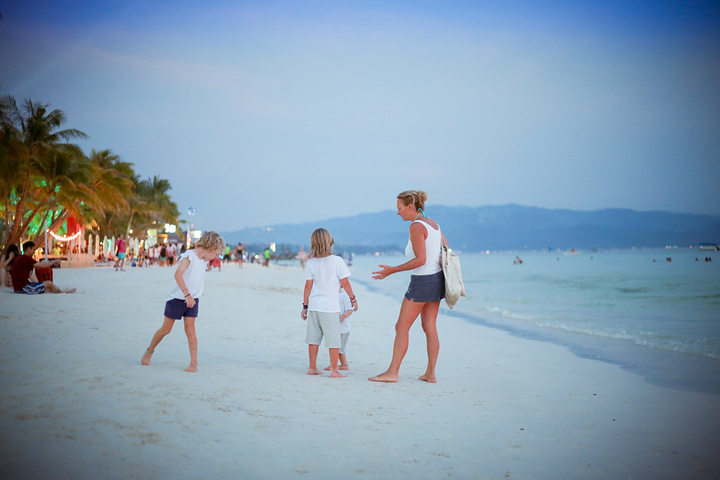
(507, 227)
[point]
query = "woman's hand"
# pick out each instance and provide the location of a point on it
(190, 301)
(386, 270)
(303, 314)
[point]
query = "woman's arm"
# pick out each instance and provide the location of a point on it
(418, 233)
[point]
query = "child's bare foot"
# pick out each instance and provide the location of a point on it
(336, 374)
(192, 368)
(384, 377)
(314, 371)
(341, 367)
(146, 358)
(70, 290)
(428, 378)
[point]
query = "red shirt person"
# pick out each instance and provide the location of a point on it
(23, 275)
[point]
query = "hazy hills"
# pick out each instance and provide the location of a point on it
(507, 227)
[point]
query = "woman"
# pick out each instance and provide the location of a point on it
(427, 284)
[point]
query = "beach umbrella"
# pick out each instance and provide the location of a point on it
(97, 244)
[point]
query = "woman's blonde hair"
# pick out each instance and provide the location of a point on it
(321, 243)
(211, 241)
(417, 198)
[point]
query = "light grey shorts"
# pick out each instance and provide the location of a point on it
(323, 324)
(343, 342)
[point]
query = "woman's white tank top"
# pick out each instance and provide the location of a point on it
(433, 244)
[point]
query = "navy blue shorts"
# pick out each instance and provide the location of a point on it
(32, 288)
(426, 288)
(177, 309)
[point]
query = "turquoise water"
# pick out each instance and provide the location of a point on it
(630, 307)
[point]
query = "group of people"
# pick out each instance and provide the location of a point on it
(161, 255)
(19, 271)
(328, 298)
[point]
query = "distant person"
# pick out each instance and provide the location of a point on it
(302, 257)
(239, 252)
(427, 284)
(266, 256)
(227, 254)
(24, 278)
(163, 255)
(184, 297)
(120, 257)
(6, 262)
(346, 309)
(171, 251)
(325, 274)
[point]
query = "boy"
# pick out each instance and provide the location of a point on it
(24, 279)
(346, 309)
(184, 296)
(325, 273)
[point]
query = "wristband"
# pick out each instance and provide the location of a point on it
(187, 295)
(305, 307)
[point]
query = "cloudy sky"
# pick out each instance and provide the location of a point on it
(272, 112)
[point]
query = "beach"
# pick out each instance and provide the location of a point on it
(75, 402)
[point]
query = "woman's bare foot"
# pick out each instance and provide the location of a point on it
(146, 358)
(336, 374)
(428, 378)
(314, 371)
(192, 368)
(384, 377)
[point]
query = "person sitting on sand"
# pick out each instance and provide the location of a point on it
(325, 274)
(6, 262)
(184, 296)
(24, 278)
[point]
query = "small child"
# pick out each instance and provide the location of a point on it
(184, 296)
(325, 274)
(346, 310)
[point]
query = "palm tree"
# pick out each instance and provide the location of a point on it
(30, 136)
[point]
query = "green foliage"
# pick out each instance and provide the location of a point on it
(44, 179)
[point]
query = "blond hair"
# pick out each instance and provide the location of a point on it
(211, 241)
(321, 243)
(417, 198)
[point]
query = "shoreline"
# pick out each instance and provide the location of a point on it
(74, 399)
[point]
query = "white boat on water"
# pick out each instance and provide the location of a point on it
(708, 247)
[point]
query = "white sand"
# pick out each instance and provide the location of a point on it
(75, 403)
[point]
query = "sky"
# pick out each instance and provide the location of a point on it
(270, 112)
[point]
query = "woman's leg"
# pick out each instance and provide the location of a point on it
(429, 323)
(409, 311)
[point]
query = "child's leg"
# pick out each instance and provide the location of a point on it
(159, 335)
(343, 362)
(333, 363)
(312, 354)
(192, 343)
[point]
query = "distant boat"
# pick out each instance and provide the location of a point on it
(708, 247)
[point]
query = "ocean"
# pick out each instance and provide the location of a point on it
(654, 312)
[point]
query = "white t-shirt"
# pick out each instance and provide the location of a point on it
(326, 273)
(193, 276)
(345, 305)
